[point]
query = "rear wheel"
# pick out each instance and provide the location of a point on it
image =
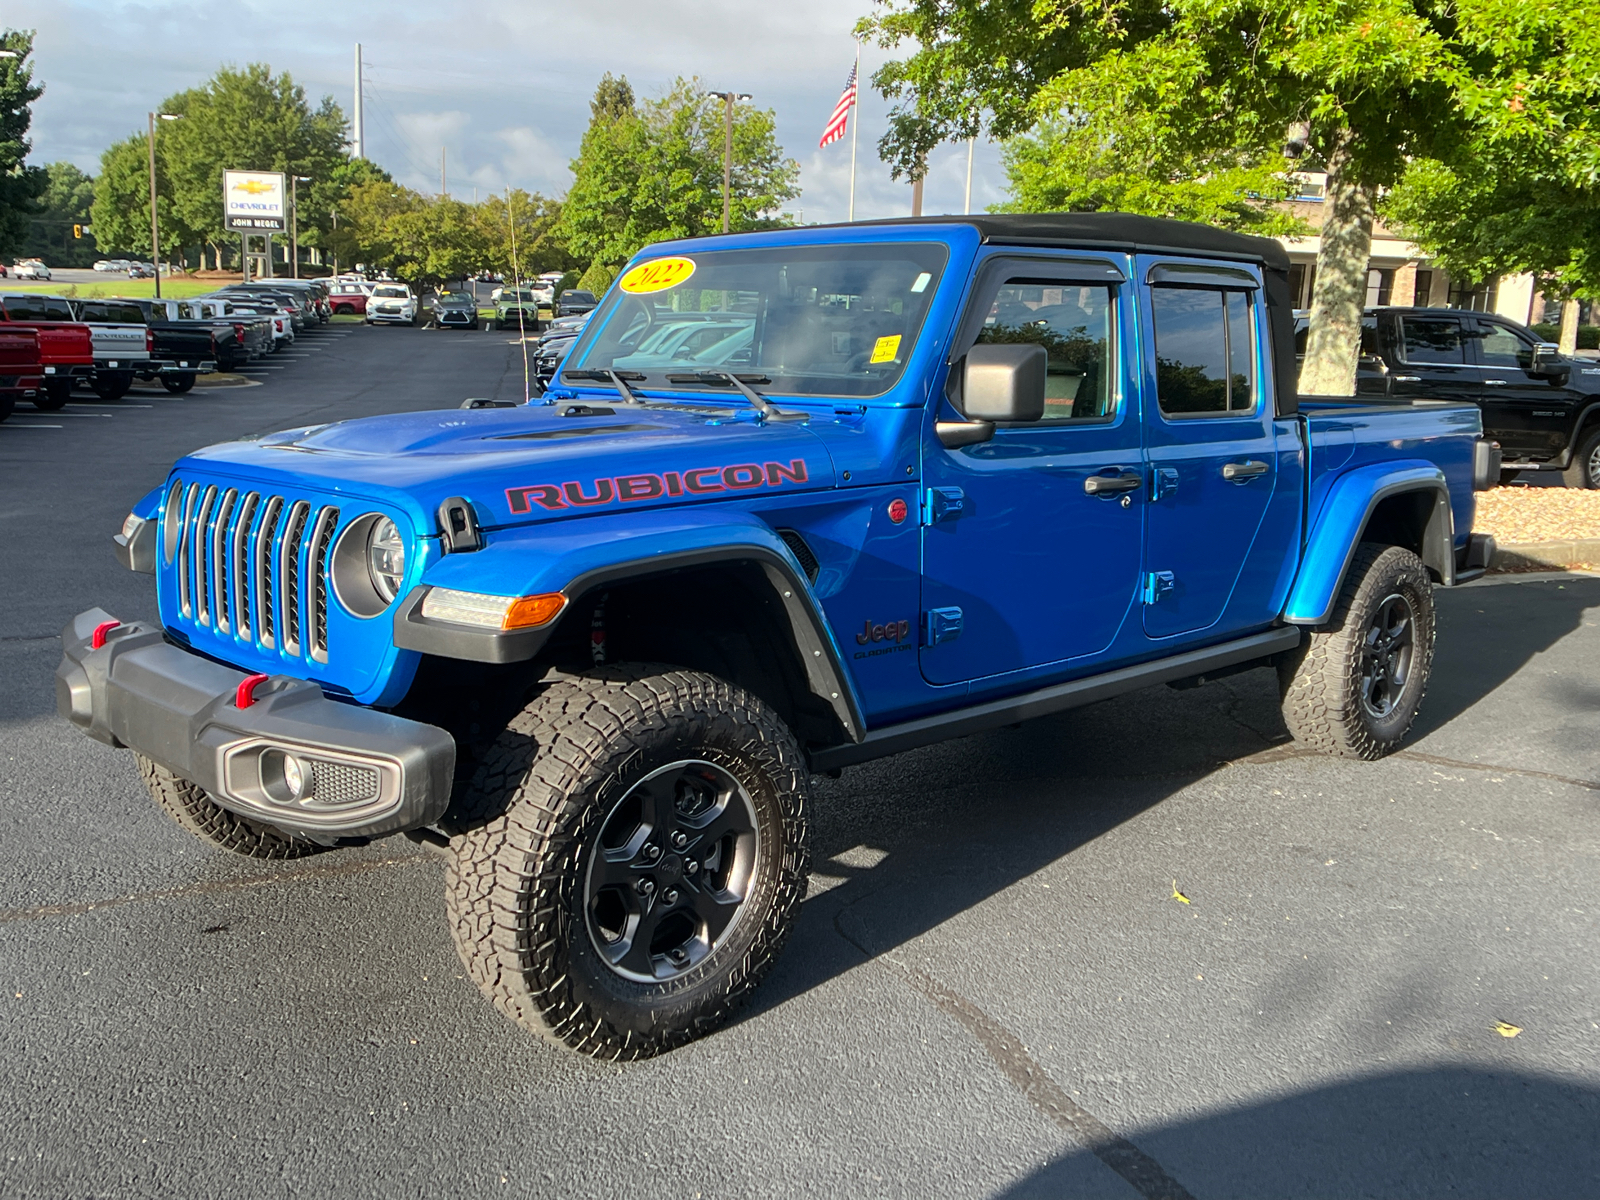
(177, 384)
(1355, 685)
(194, 810)
(630, 858)
(54, 395)
(1584, 470)
(8, 404)
(112, 385)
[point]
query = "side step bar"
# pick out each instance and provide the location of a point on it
(924, 731)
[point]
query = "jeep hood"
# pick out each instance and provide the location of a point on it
(533, 462)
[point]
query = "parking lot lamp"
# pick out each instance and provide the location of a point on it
(294, 221)
(727, 99)
(155, 225)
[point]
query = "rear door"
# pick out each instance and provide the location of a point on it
(1022, 567)
(1211, 441)
(1434, 360)
(1529, 417)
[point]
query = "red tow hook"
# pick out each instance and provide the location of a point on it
(246, 695)
(97, 639)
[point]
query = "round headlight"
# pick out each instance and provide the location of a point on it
(386, 558)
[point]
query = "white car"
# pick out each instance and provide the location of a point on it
(31, 268)
(392, 304)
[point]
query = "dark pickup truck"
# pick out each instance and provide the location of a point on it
(184, 344)
(1542, 407)
(66, 348)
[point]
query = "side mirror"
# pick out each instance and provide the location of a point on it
(1004, 382)
(1547, 361)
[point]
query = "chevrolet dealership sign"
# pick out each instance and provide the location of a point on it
(253, 201)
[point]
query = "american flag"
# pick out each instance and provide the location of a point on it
(841, 112)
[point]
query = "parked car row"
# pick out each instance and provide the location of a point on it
(132, 268)
(52, 343)
(1542, 407)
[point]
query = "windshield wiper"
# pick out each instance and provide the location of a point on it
(766, 410)
(615, 379)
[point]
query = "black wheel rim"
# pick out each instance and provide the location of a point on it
(671, 871)
(1386, 655)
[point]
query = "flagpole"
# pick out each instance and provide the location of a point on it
(854, 130)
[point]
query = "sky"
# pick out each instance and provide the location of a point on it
(502, 85)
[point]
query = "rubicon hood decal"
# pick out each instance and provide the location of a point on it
(697, 481)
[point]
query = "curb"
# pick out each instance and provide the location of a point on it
(1561, 553)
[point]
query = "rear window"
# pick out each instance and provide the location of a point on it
(1432, 340)
(38, 308)
(110, 312)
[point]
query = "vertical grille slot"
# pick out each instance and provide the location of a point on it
(220, 560)
(239, 564)
(202, 548)
(321, 543)
(289, 555)
(266, 593)
(186, 552)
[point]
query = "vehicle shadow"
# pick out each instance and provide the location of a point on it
(917, 839)
(1448, 1131)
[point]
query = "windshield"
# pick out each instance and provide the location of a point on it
(391, 293)
(459, 298)
(510, 297)
(824, 320)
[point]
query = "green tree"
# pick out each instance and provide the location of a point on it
(645, 173)
(20, 185)
(366, 219)
(325, 208)
(67, 196)
(121, 208)
(439, 240)
(520, 233)
(1377, 83)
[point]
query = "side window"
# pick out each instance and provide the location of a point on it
(1499, 346)
(1432, 340)
(1073, 323)
(1205, 351)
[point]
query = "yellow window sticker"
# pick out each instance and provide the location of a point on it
(657, 275)
(885, 349)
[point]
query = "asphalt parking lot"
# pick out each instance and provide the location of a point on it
(995, 988)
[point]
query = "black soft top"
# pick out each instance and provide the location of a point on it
(1124, 231)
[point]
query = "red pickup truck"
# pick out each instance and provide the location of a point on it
(66, 348)
(21, 375)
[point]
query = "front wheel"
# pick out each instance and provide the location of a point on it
(630, 858)
(1355, 685)
(1584, 470)
(193, 810)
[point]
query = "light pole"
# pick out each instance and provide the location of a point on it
(727, 99)
(294, 221)
(155, 224)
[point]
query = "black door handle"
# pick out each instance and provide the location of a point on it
(1111, 485)
(1244, 470)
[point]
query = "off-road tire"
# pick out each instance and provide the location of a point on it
(1322, 683)
(1584, 469)
(177, 384)
(53, 396)
(193, 810)
(525, 833)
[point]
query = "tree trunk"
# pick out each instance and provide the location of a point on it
(1340, 292)
(1569, 326)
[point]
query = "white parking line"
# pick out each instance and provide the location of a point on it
(10, 425)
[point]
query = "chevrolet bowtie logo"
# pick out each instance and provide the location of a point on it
(253, 186)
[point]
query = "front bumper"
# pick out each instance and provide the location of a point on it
(369, 773)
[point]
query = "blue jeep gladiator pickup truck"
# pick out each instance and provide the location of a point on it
(797, 499)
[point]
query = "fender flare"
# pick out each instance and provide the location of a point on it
(1345, 514)
(577, 557)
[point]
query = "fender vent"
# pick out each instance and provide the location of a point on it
(808, 560)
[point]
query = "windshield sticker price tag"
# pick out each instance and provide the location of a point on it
(657, 275)
(885, 349)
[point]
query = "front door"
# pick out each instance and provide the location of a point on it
(1022, 567)
(1211, 444)
(1528, 416)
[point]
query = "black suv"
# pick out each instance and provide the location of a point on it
(1542, 407)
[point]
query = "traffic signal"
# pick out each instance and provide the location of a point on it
(77, 231)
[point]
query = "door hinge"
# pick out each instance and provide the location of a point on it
(941, 625)
(1164, 483)
(1157, 584)
(942, 503)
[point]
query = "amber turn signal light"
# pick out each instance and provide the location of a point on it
(529, 611)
